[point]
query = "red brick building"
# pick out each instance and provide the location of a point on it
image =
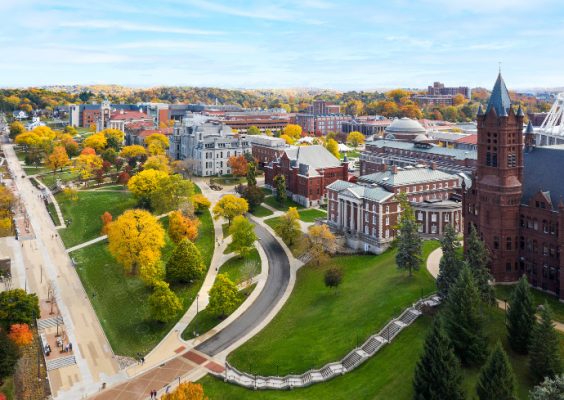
(515, 201)
(308, 171)
(266, 149)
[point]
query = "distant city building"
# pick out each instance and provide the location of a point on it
(308, 171)
(321, 118)
(367, 212)
(209, 144)
(266, 149)
(120, 119)
(439, 89)
(404, 129)
(263, 120)
(435, 100)
(84, 115)
(367, 125)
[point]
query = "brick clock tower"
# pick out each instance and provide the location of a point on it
(492, 203)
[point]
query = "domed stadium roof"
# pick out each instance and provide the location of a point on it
(405, 125)
(422, 138)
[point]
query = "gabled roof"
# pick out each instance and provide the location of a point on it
(317, 157)
(499, 100)
(374, 193)
(406, 177)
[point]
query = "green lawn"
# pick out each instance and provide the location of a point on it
(120, 301)
(50, 180)
(31, 170)
(86, 212)
(272, 202)
(318, 325)
(206, 321)
(261, 212)
(53, 214)
(8, 389)
(503, 292)
(312, 214)
(240, 269)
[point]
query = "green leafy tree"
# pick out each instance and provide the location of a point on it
(224, 296)
(253, 194)
(252, 174)
(17, 307)
(185, 263)
(520, 317)
(280, 187)
(289, 226)
(544, 354)
(496, 380)
(478, 258)
(170, 193)
(464, 322)
(450, 261)
(437, 373)
(243, 233)
(253, 130)
(409, 255)
(549, 389)
(163, 303)
(333, 277)
(9, 355)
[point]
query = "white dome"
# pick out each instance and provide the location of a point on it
(405, 125)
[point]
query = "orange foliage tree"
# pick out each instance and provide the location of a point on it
(88, 151)
(239, 165)
(180, 227)
(186, 391)
(106, 219)
(20, 334)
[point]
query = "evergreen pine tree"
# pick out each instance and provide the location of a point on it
(496, 380)
(437, 374)
(477, 257)
(520, 317)
(185, 263)
(464, 323)
(450, 261)
(549, 389)
(544, 354)
(409, 255)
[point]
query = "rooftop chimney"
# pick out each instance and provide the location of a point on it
(433, 165)
(394, 169)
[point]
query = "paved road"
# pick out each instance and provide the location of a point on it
(276, 284)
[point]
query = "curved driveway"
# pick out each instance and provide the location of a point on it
(274, 288)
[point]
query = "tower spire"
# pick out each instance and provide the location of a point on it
(499, 99)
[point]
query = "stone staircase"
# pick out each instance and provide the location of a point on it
(60, 362)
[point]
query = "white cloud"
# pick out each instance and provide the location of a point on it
(134, 27)
(487, 6)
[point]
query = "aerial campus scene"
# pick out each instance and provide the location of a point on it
(316, 199)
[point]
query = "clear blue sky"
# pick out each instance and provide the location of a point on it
(282, 43)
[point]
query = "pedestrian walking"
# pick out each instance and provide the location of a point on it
(142, 360)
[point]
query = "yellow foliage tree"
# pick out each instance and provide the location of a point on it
(355, 138)
(181, 227)
(58, 159)
(135, 239)
(158, 162)
(146, 183)
(320, 242)
(113, 135)
(288, 139)
(86, 164)
(333, 147)
(293, 130)
(97, 141)
(186, 391)
(156, 143)
(133, 151)
(200, 202)
(229, 206)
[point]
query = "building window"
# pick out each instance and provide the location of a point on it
(433, 228)
(420, 228)
(387, 209)
(508, 243)
(420, 216)
(508, 267)
(496, 243)
(387, 220)
(433, 217)
(447, 217)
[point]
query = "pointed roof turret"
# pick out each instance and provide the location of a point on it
(529, 130)
(520, 112)
(499, 100)
(480, 111)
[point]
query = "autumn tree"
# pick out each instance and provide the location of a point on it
(186, 391)
(181, 227)
(114, 138)
(243, 233)
(230, 206)
(133, 153)
(170, 193)
(333, 147)
(159, 163)
(97, 141)
(106, 220)
(185, 263)
(355, 139)
(135, 239)
(16, 128)
(58, 159)
(164, 305)
(289, 226)
(224, 296)
(200, 202)
(280, 188)
(145, 183)
(88, 151)
(288, 139)
(123, 178)
(253, 130)
(238, 164)
(293, 131)
(86, 164)
(157, 143)
(354, 107)
(20, 334)
(320, 243)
